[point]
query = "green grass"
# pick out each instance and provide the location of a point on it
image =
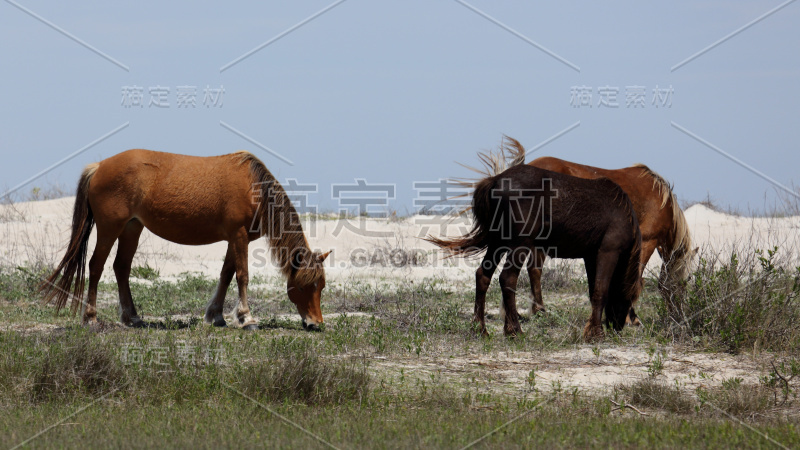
(374, 378)
(230, 421)
(173, 395)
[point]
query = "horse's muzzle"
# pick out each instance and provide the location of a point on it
(311, 326)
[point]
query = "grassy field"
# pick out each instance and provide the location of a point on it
(398, 366)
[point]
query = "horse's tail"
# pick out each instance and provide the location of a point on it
(477, 240)
(71, 270)
(511, 153)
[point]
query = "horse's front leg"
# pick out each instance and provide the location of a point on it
(648, 247)
(215, 307)
(241, 313)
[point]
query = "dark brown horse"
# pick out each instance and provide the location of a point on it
(193, 201)
(525, 209)
(661, 222)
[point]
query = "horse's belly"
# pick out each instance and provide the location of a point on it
(186, 231)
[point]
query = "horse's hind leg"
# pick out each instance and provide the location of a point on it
(215, 306)
(502, 304)
(535, 264)
(126, 248)
(241, 312)
(508, 286)
(106, 235)
(483, 278)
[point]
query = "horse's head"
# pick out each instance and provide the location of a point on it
(305, 287)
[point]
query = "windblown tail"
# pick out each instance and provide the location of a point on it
(69, 275)
(511, 153)
(477, 240)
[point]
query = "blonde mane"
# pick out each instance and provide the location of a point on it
(659, 183)
(679, 255)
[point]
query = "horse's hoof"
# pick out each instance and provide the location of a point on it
(91, 324)
(513, 334)
(310, 326)
(219, 321)
(593, 333)
(137, 323)
(251, 327)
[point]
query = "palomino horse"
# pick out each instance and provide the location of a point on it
(192, 201)
(526, 209)
(661, 222)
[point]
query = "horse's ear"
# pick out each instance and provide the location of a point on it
(323, 256)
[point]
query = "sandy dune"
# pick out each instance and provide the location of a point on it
(362, 247)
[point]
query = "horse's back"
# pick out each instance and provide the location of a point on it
(622, 176)
(647, 191)
(579, 213)
(173, 194)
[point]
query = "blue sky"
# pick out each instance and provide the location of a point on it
(395, 92)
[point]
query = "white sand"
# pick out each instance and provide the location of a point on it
(362, 248)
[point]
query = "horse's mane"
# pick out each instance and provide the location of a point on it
(280, 223)
(659, 183)
(681, 240)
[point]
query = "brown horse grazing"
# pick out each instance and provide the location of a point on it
(661, 222)
(525, 209)
(192, 201)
